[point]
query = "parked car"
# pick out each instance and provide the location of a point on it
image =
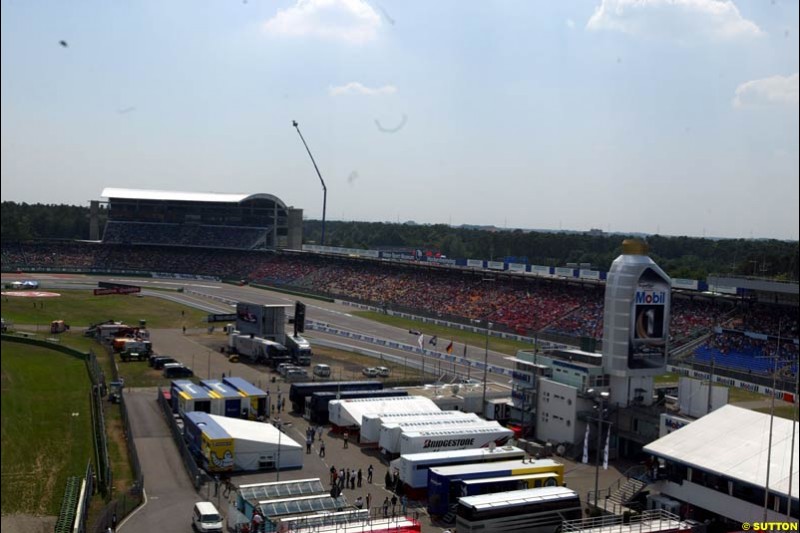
(470, 381)
(370, 372)
(151, 359)
(296, 374)
(323, 371)
(178, 371)
(206, 518)
(160, 362)
(281, 368)
(383, 371)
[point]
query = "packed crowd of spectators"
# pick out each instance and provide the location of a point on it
(749, 340)
(229, 264)
(239, 238)
(523, 306)
(770, 320)
(752, 353)
(695, 316)
(585, 321)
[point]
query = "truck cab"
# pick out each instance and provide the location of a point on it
(300, 350)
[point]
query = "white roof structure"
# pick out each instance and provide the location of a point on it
(734, 443)
(346, 413)
(181, 196)
(255, 431)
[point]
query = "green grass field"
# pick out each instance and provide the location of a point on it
(348, 366)
(82, 308)
(46, 427)
(783, 410)
(496, 344)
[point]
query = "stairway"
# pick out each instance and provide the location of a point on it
(623, 494)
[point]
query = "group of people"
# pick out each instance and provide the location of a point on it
(349, 478)
(313, 433)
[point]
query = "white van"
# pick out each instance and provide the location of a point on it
(206, 518)
(323, 371)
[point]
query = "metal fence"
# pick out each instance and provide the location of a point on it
(100, 441)
(133, 455)
(198, 476)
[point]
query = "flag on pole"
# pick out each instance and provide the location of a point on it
(449, 347)
(605, 452)
(421, 341)
(586, 446)
(433, 340)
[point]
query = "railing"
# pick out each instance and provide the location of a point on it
(638, 472)
(82, 513)
(647, 521)
(122, 504)
(69, 505)
(100, 442)
(133, 455)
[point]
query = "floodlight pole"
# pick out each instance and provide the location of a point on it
(324, 188)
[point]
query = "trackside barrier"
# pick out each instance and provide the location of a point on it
(293, 292)
(499, 334)
(315, 326)
(221, 299)
(25, 339)
(82, 513)
(457, 325)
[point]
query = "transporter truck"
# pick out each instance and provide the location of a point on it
(258, 350)
(300, 350)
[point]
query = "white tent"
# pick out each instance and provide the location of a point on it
(348, 413)
(256, 445)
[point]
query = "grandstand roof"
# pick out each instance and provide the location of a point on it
(183, 196)
(733, 442)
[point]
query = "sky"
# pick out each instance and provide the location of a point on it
(676, 117)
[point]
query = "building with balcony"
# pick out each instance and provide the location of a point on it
(725, 467)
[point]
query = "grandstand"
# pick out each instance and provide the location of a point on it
(737, 332)
(208, 220)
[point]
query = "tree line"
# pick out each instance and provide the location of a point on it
(680, 257)
(24, 222)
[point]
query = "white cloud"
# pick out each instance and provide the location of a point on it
(775, 90)
(352, 21)
(570, 23)
(355, 87)
(681, 20)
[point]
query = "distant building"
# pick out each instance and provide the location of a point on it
(210, 220)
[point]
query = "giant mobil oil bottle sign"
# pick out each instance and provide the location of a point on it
(636, 314)
(648, 328)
